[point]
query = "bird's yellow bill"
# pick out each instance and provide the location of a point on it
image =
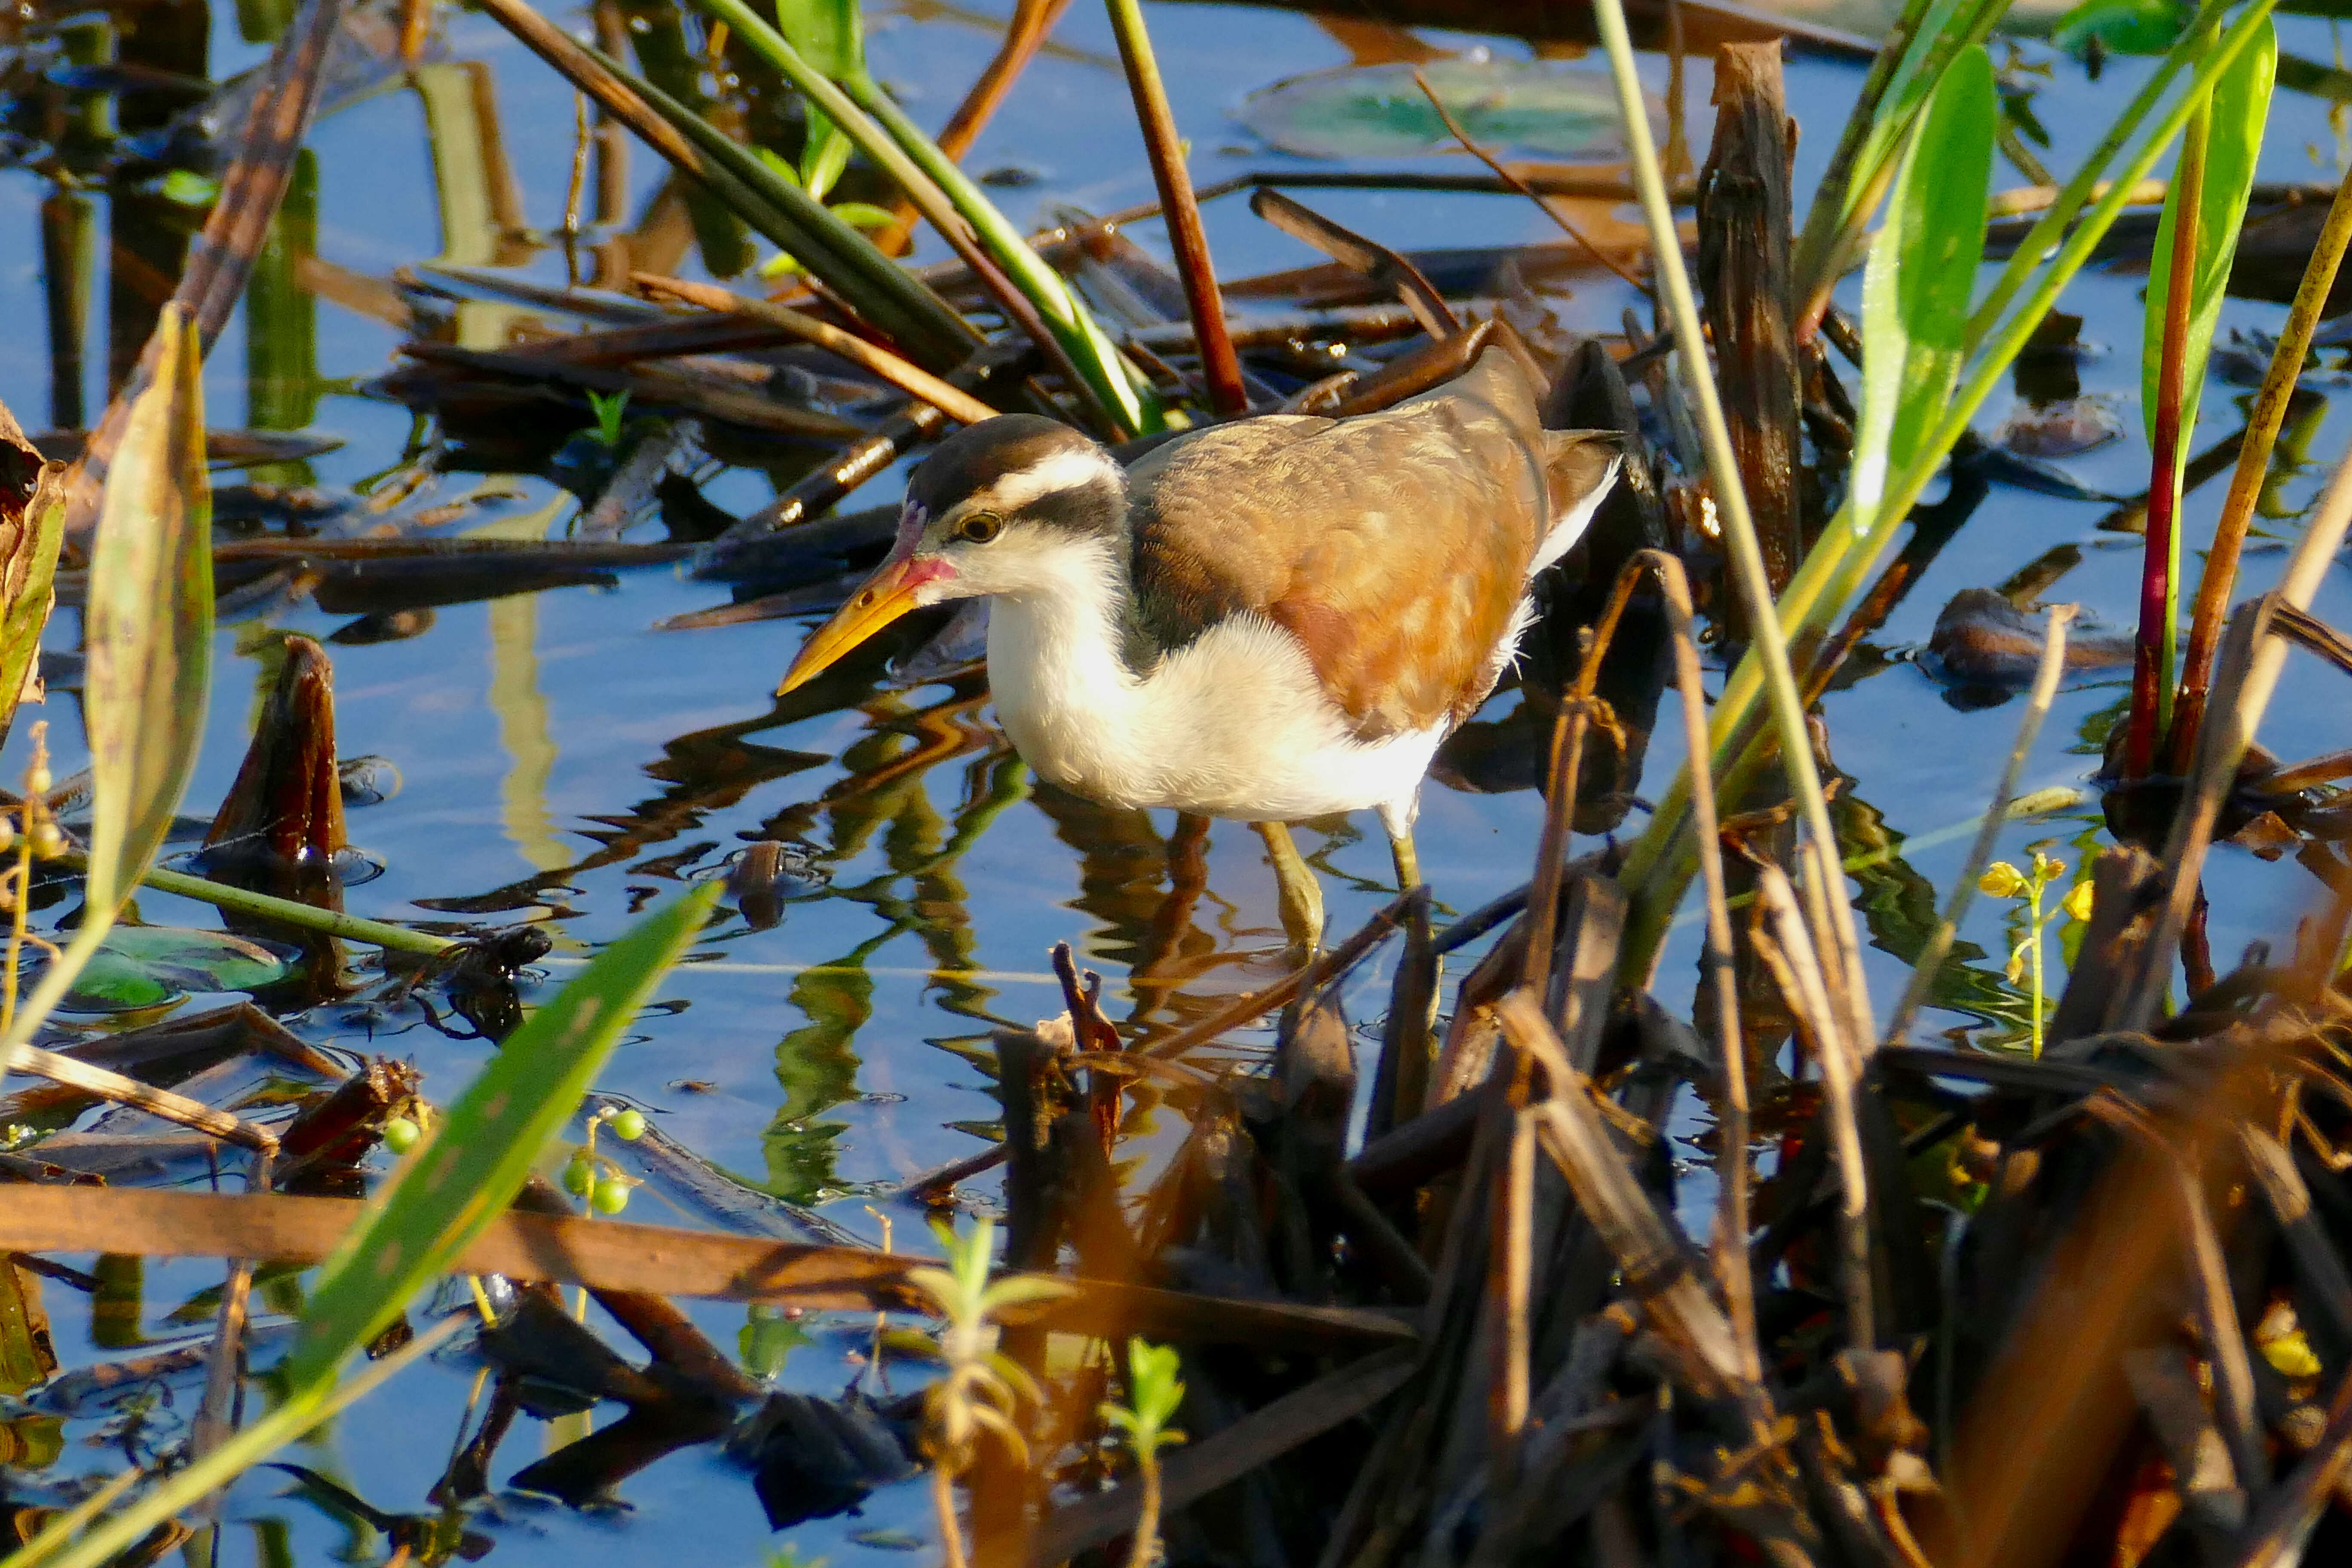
(889, 594)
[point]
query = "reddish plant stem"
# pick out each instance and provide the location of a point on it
(2151, 663)
(1219, 367)
(2263, 424)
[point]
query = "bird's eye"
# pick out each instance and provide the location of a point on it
(979, 527)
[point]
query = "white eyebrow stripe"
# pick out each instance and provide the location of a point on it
(1070, 468)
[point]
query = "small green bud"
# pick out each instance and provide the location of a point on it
(628, 1126)
(611, 1195)
(580, 1175)
(401, 1134)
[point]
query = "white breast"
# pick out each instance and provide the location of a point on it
(1234, 725)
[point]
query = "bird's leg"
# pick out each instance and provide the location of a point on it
(1408, 858)
(1301, 896)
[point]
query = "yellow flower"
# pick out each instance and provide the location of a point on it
(2002, 880)
(2078, 902)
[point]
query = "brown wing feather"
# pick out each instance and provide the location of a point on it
(1394, 547)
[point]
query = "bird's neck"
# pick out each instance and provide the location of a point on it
(1061, 657)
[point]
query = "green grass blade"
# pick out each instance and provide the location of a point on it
(830, 34)
(924, 325)
(899, 147)
(1659, 865)
(474, 1160)
(1923, 266)
(2233, 143)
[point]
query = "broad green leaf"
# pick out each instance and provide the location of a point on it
(829, 35)
(2233, 143)
(149, 618)
(473, 1161)
(32, 526)
(146, 966)
(1922, 264)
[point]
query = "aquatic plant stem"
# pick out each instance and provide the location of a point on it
(2264, 421)
(1769, 651)
(1221, 369)
(2159, 576)
(221, 896)
(1662, 861)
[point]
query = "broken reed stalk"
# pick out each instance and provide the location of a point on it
(1749, 292)
(911, 379)
(2264, 421)
(1510, 177)
(2159, 580)
(74, 1073)
(2257, 653)
(1720, 982)
(1930, 960)
(216, 1416)
(1723, 468)
(1221, 368)
(1787, 948)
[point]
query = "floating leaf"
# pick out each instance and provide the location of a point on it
(1914, 294)
(473, 1161)
(1528, 109)
(146, 966)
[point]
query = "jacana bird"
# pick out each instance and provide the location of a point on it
(1277, 617)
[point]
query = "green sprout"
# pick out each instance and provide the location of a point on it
(612, 411)
(2003, 880)
(1152, 1384)
(983, 1388)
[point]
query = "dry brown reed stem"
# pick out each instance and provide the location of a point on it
(2264, 421)
(1358, 254)
(1221, 369)
(1566, 762)
(2249, 677)
(1579, 1139)
(215, 1418)
(916, 381)
(1512, 1244)
(113, 1086)
(1787, 949)
(611, 1255)
(2208, 1271)
(2043, 1425)
(2047, 676)
(1503, 173)
(1720, 984)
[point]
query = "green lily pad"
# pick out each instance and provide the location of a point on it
(1525, 109)
(147, 966)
